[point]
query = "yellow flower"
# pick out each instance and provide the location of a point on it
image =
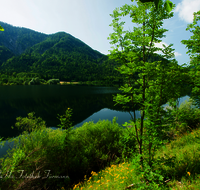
(188, 173)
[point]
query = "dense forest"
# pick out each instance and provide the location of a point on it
(25, 54)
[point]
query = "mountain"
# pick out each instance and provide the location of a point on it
(58, 55)
(18, 39)
(5, 54)
(60, 43)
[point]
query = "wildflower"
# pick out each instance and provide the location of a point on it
(188, 173)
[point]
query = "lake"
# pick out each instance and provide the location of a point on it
(89, 103)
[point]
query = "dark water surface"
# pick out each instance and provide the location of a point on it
(47, 101)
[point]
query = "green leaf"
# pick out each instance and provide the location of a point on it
(145, 1)
(156, 2)
(168, 5)
(1, 28)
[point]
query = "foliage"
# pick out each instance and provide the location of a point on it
(31, 156)
(65, 120)
(53, 81)
(34, 81)
(30, 123)
(168, 4)
(148, 82)
(5, 54)
(193, 45)
(182, 119)
(185, 153)
(18, 39)
(176, 166)
(77, 152)
(58, 55)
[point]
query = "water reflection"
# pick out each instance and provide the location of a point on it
(88, 104)
(49, 101)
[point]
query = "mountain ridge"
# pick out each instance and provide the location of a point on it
(59, 55)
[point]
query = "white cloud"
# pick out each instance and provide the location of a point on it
(160, 45)
(186, 9)
(177, 54)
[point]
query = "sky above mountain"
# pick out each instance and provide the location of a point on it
(88, 20)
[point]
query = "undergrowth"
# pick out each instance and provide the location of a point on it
(101, 155)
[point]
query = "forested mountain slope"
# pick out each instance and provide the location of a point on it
(58, 55)
(18, 39)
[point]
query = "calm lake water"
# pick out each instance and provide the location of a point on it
(89, 103)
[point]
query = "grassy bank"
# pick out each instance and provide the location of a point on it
(176, 166)
(102, 155)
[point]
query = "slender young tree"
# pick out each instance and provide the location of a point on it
(149, 83)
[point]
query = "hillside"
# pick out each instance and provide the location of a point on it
(58, 55)
(18, 39)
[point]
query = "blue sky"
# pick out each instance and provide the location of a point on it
(89, 20)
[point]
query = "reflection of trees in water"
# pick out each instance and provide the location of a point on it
(83, 106)
(48, 108)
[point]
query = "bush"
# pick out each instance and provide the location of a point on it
(25, 83)
(94, 146)
(72, 152)
(186, 117)
(30, 153)
(34, 81)
(53, 81)
(4, 80)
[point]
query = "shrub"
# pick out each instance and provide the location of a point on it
(34, 81)
(94, 146)
(31, 153)
(25, 83)
(186, 117)
(53, 81)
(72, 152)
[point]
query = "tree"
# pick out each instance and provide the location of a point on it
(168, 4)
(193, 45)
(148, 83)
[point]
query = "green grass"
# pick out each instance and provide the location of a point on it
(179, 163)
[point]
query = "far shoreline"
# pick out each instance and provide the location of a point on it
(65, 82)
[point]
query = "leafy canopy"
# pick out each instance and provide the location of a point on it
(193, 45)
(168, 4)
(149, 82)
